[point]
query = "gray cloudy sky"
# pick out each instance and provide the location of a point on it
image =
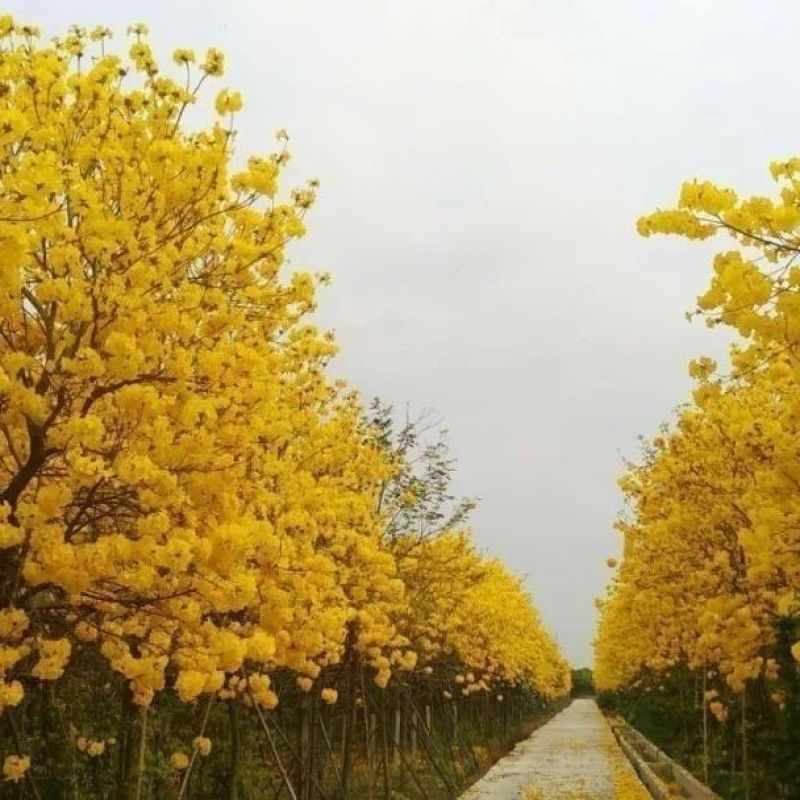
(482, 167)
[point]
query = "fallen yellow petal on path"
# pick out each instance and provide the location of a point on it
(575, 756)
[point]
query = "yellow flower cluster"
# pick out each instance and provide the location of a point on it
(179, 761)
(203, 745)
(15, 767)
(329, 696)
(11, 694)
(53, 657)
(91, 747)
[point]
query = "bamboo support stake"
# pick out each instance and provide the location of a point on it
(329, 746)
(188, 772)
(275, 753)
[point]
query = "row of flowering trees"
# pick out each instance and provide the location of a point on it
(192, 513)
(703, 615)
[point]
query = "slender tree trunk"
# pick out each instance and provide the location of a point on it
(387, 782)
(745, 774)
(302, 777)
(683, 717)
(135, 741)
(734, 753)
(705, 726)
(398, 720)
(315, 785)
(349, 722)
(54, 783)
(233, 764)
(369, 735)
(140, 759)
(125, 759)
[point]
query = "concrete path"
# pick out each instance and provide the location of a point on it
(573, 757)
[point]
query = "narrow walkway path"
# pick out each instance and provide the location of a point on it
(573, 757)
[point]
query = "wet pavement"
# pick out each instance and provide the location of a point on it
(574, 756)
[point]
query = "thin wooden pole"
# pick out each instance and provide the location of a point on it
(185, 781)
(275, 753)
(330, 750)
(430, 750)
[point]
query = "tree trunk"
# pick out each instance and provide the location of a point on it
(233, 764)
(398, 719)
(140, 756)
(745, 774)
(387, 782)
(349, 722)
(314, 775)
(302, 776)
(124, 757)
(705, 726)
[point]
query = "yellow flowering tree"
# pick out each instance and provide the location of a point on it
(706, 597)
(181, 487)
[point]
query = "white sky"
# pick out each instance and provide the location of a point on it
(482, 167)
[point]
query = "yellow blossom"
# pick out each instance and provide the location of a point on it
(179, 760)
(15, 767)
(228, 102)
(329, 696)
(202, 744)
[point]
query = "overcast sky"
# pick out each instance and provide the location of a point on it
(482, 168)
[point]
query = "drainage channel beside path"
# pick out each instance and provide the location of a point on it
(574, 756)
